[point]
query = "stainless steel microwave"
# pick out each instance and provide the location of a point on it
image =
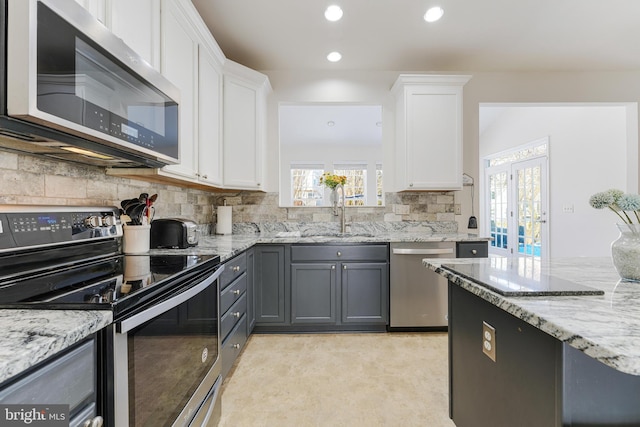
(75, 91)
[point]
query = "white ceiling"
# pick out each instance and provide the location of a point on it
(473, 35)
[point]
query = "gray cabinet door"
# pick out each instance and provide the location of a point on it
(365, 292)
(269, 298)
(313, 293)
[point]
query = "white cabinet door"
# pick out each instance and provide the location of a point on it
(179, 64)
(429, 132)
(210, 118)
(96, 7)
(137, 23)
(244, 131)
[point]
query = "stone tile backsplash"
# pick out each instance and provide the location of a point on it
(31, 180)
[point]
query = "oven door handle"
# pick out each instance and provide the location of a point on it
(134, 321)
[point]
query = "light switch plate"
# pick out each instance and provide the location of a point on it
(489, 341)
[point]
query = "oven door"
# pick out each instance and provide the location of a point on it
(166, 358)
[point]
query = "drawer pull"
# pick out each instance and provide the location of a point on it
(339, 253)
(236, 314)
(235, 268)
(333, 267)
(474, 252)
(236, 346)
(236, 292)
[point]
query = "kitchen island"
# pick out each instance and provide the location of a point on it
(543, 360)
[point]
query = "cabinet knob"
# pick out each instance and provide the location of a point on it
(474, 252)
(339, 253)
(258, 184)
(236, 314)
(236, 346)
(94, 422)
(205, 176)
(236, 292)
(411, 185)
(344, 267)
(235, 268)
(333, 267)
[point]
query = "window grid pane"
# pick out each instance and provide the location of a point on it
(355, 187)
(305, 187)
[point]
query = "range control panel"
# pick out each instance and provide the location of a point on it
(29, 226)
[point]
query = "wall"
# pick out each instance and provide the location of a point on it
(582, 139)
(32, 180)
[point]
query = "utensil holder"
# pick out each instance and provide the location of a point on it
(136, 238)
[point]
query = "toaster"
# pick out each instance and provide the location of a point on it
(175, 233)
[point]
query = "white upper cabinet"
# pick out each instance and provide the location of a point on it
(179, 64)
(245, 95)
(429, 131)
(137, 23)
(210, 118)
(97, 8)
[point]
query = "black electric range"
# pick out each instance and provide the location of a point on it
(71, 258)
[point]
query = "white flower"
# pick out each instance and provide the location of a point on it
(629, 202)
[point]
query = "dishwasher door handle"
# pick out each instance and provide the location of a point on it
(438, 251)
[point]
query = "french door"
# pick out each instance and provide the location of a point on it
(516, 198)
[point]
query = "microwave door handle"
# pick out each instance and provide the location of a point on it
(158, 309)
(407, 251)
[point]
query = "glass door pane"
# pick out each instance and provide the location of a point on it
(498, 185)
(530, 206)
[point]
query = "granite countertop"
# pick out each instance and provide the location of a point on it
(31, 336)
(605, 327)
(228, 246)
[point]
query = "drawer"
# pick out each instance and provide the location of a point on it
(472, 249)
(231, 317)
(232, 346)
(233, 269)
(232, 293)
(325, 252)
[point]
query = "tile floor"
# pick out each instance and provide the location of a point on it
(377, 379)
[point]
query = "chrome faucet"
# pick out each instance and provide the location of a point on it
(343, 222)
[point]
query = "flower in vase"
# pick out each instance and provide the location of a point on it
(331, 180)
(620, 203)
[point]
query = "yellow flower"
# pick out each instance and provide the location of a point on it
(331, 180)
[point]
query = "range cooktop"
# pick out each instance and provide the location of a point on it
(518, 277)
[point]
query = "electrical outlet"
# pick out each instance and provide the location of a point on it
(489, 341)
(457, 209)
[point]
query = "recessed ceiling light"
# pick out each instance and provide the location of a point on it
(333, 13)
(433, 14)
(334, 56)
(331, 123)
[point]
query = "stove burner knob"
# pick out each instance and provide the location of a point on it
(93, 221)
(108, 220)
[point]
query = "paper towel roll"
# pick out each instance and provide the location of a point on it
(224, 224)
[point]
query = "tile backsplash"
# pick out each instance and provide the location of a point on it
(26, 179)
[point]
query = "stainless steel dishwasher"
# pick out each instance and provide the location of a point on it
(418, 296)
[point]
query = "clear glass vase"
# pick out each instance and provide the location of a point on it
(625, 252)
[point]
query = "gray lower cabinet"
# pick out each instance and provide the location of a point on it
(341, 285)
(251, 313)
(269, 297)
(313, 293)
(234, 297)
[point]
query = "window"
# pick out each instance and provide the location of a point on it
(355, 187)
(305, 185)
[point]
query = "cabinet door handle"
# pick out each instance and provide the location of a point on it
(339, 253)
(235, 268)
(236, 346)
(344, 266)
(474, 252)
(236, 292)
(236, 314)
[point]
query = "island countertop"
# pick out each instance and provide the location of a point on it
(605, 327)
